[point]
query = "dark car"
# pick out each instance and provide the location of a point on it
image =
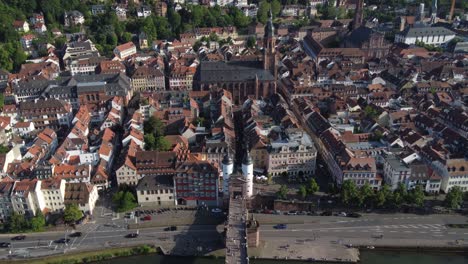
(4, 244)
(20, 237)
(171, 228)
(354, 215)
(280, 226)
(326, 213)
(132, 235)
(62, 241)
(76, 234)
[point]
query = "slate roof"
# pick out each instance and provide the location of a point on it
(425, 31)
(360, 35)
(234, 71)
(152, 182)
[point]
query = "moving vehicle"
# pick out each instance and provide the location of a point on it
(171, 228)
(76, 234)
(20, 237)
(132, 235)
(280, 226)
(4, 244)
(62, 241)
(354, 215)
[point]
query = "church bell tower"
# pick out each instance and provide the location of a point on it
(269, 41)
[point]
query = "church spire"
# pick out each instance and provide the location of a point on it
(358, 14)
(269, 28)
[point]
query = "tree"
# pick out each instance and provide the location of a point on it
(275, 7)
(382, 196)
(154, 125)
(17, 223)
(251, 42)
(282, 192)
(349, 192)
(150, 142)
(312, 187)
(4, 149)
(416, 196)
(263, 10)
(124, 201)
(302, 191)
(365, 195)
(162, 144)
(454, 198)
(72, 213)
(38, 222)
(399, 195)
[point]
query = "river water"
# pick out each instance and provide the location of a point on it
(367, 257)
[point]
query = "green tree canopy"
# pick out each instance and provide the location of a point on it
(72, 213)
(124, 201)
(416, 196)
(382, 197)
(349, 192)
(282, 192)
(38, 222)
(366, 195)
(454, 198)
(312, 187)
(302, 192)
(17, 223)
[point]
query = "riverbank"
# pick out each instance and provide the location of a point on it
(87, 256)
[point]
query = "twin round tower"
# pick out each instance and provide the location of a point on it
(247, 173)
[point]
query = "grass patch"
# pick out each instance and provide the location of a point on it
(458, 225)
(87, 257)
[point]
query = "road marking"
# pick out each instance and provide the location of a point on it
(422, 232)
(407, 231)
(413, 226)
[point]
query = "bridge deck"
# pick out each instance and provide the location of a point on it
(236, 235)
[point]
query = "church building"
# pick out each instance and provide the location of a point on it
(244, 79)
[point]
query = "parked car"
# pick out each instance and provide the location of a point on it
(292, 213)
(76, 234)
(326, 213)
(147, 218)
(280, 226)
(132, 235)
(62, 241)
(342, 214)
(20, 237)
(4, 244)
(354, 215)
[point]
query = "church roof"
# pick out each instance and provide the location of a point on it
(233, 71)
(360, 35)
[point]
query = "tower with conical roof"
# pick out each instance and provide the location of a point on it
(269, 41)
(228, 169)
(247, 172)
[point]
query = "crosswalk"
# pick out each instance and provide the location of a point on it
(418, 226)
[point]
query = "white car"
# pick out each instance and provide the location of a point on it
(216, 210)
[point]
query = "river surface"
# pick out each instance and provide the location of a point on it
(367, 257)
